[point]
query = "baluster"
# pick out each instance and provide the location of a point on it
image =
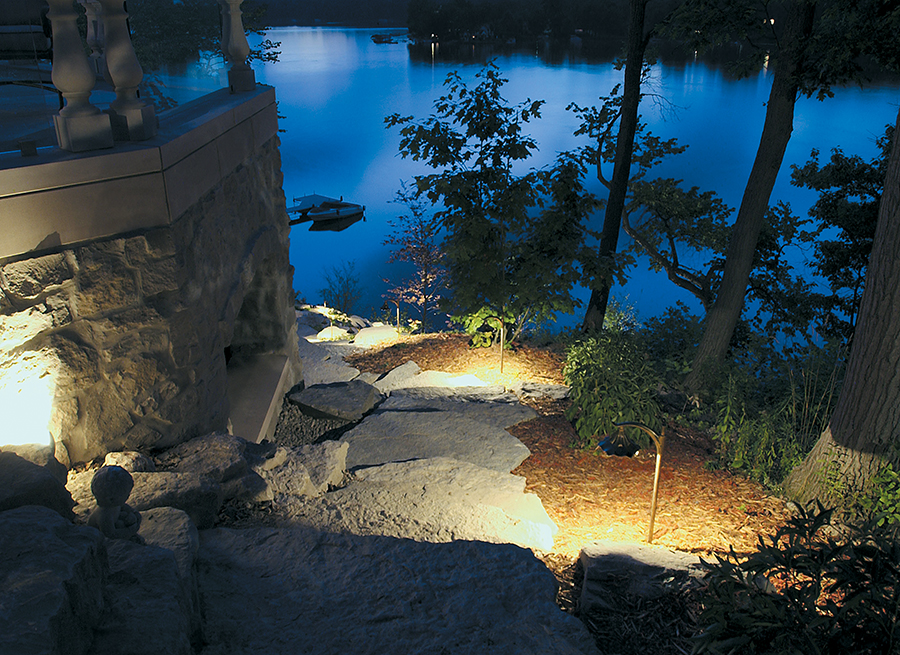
(95, 39)
(132, 118)
(234, 44)
(79, 125)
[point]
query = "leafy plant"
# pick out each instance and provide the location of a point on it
(512, 240)
(882, 503)
(804, 591)
(611, 381)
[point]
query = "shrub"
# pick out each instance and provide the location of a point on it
(805, 592)
(611, 381)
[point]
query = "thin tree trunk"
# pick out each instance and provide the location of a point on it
(865, 427)
(726, 310)
(615, 205)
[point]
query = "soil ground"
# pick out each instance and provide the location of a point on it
(590, 496)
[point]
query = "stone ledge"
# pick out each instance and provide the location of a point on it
(60, 198)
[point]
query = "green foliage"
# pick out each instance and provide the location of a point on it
(772, 408)
(611, 381)
(482, 326)
(343, 290)
(849, 193)
(833, 596)
(671, 339)
(512, 241)
(882, 503)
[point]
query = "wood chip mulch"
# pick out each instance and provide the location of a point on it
(591, 497)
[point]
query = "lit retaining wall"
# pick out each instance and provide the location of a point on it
(127, 276)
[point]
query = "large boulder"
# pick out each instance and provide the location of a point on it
(25, 483)
(52, 576)
(317, 593)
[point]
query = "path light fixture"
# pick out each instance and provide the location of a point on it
(659, 441)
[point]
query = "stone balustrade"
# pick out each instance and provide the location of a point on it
(81, 126)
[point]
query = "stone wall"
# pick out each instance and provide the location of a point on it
(126, 337)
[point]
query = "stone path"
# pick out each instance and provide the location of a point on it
(424, 548)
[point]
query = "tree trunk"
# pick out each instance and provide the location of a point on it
(615, 205)
(865, 427)
(726, 310)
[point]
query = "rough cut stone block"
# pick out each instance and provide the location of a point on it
(31, 277)
(399, 436)
(147, 612)
(349, 401)
(131, 461)
(197, 495)
(326, 463)
(399, 377)
(218, 456)
(614, 568)
(24, 483)
(52, 576)
(371, 335)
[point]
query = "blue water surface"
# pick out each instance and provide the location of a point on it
(335, 87)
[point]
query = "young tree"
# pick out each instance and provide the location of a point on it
(416, 237)
(512, 240)
(637, 40)
(865, 427)
(342, 289)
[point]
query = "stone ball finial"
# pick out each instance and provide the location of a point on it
(111, 487)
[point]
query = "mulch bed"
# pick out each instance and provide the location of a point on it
(591, 497)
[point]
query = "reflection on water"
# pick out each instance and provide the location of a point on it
(335, 86)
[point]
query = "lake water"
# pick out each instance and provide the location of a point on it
(335, 86)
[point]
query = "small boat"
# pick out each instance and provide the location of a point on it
(326, 214)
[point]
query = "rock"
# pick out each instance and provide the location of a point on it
(285, 474)
(217, 456)
(147, 612)
(131, 461)
(42, 456)
(443, 486)
(399, 436)
(540, 390)
(614, 568)
(332, 334)
(24, 483)
(52, 574)
(369, 336)
(500, 415)
(464, 598)
(304, 331)
(398, 377)
(326, 463)
(349, 401)
(172, 529)
(195, 494)
(359, 323)
(422, 388)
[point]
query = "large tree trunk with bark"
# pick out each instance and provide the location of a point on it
(865, 428)
(726, 310)
(615, 204)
